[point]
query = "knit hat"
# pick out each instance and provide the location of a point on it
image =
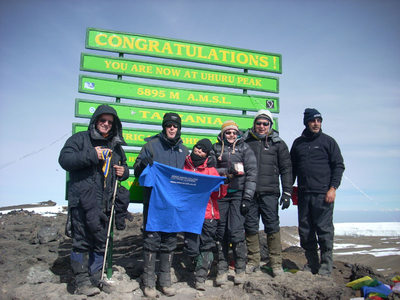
(265, 114)
(311, 114)
(171, 118)
(230, 124)
(204, 145)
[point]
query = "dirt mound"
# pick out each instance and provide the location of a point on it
(34, 264)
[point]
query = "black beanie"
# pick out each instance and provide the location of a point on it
(311, 114)
(204, 145)
(171, 118)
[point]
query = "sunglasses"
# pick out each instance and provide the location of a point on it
(171, 125)
(202, 149)
(231, 132)
(105, 121)
(262, 123)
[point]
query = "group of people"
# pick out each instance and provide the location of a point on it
(260, 173)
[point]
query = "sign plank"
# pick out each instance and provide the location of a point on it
(147, 45)
(145, 69)
(152, 115)
(156, 93)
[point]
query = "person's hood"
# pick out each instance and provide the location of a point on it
(116, 130)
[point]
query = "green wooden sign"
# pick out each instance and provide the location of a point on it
(123, 42)
(151, 115)
(155, 93)
(131, 157)
(135, 137)
(135, 190)
(145, 69)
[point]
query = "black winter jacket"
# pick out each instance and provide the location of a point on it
(317, 162)
(79, 158)
(158, 148)
(273, 161)
(240, 152)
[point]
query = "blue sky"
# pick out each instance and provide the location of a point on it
(341, 57)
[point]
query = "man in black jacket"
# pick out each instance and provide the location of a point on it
(94, 159)
(166, 148)
(273, 163)
(318, 166)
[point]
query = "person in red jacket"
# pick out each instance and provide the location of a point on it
(200, 247)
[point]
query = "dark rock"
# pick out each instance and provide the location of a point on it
(39, 274)
(47, 234)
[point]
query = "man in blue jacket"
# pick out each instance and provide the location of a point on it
(166, 148)
(318, 165)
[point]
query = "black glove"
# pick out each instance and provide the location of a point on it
(121, 208)
(285, 200)
(96, 220)
(120, 220)
(232, 171)
(245, 206)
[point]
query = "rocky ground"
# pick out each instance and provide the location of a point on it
(34, 264)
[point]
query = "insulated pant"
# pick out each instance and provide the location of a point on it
(203, 265)
(155, 241)
(195, 243)
(231, 223)
(315, 222)
(230, 229)
(266, 206)
(83, 240)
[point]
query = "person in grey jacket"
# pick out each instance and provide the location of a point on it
(274, 167)
(94, 160)
(318, 165)
(166, 148)
(235, 160)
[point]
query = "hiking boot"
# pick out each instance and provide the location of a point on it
(240, 278)
(87, 290)
(274, 249)
(150, 292)
(307, 268)
(277, 271)
(253, 250)
(326, 263)
(313, 264)
(200, 286)
(168, 291)
(221, 279)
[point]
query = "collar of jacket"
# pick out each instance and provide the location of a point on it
(309, 135)
(164, 139)
(200, 167)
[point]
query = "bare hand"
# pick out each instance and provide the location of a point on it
(99, 151)
(330, 195)
(119, 170)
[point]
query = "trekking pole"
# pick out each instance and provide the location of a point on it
(110, 223)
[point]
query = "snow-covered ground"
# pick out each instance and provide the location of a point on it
(368, 229)
(346, 229)
(46, 211)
